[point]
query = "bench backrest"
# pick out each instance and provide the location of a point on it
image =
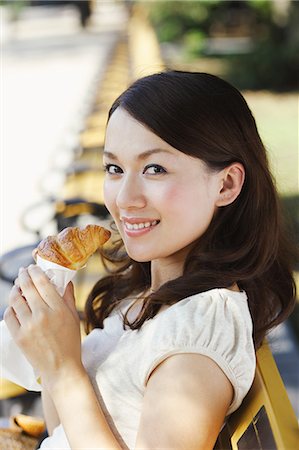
(265, 420)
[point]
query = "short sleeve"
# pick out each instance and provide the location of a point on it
(217, 324)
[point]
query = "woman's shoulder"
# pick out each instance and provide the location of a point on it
(219, 294)
(215, 304)
(217, 301)
(217, 319)
(214, 323)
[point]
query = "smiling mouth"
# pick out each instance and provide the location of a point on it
(141, 225)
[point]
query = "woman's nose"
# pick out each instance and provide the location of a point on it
(130, 194)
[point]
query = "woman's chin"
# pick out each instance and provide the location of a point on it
(140, 256)
(140, 259)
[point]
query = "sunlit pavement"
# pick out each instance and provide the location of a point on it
(49, 69)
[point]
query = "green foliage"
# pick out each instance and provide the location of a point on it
(272, 62)
(171, 31)
(262, 7)
(194, 41)
(172, 19)
(269, 66)
(15, 6)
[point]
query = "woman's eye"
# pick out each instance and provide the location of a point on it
(112, 169)
(154, 169)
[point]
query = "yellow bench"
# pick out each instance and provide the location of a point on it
(265, 420)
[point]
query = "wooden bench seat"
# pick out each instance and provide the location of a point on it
(265, 420)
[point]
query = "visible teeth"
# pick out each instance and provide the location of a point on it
(140, 226)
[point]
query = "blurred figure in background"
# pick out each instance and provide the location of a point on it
(84, 7)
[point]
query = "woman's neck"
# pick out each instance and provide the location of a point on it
(163, 271)
(167, 269)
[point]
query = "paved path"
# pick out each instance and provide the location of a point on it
(49, 69)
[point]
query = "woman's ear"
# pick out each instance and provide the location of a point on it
(232, 179)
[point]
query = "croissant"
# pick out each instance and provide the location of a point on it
(73, 246)
(34, 426)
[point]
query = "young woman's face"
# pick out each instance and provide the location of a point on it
(161, 199)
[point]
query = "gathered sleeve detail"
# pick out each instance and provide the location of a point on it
(216, 324)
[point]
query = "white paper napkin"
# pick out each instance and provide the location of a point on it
(13, 364)
(60, 276)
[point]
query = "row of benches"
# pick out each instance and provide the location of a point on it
(266, 419)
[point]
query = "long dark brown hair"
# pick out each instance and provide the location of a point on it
(203, 116)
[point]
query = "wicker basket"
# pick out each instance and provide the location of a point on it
(16, 440)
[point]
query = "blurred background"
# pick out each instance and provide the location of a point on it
(62, 65)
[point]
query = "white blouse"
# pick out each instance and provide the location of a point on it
(215, 323)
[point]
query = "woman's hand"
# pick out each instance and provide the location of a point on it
(44, 325)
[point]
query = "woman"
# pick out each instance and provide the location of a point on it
(203, 271)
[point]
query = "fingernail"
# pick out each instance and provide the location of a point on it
(21, 269)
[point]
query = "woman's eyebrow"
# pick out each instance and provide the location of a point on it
(142, 155)
(109, 155)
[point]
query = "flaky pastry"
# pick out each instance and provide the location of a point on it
(73, 246)
(33, 426)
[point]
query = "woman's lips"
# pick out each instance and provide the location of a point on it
(138, 227)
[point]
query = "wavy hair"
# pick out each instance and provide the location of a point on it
(246, 243)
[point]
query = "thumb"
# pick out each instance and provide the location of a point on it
(34, 254)
(69, 292)
(69, 297)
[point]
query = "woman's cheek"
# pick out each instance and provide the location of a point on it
(172, 195)
(109, 197)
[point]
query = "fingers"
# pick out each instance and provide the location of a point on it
(69, 292)
(11, 320)
(34, 254)
(17, 283)
(19, 309)
(37, 289)
(69, 299)
(43, 285)
(28, 290)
